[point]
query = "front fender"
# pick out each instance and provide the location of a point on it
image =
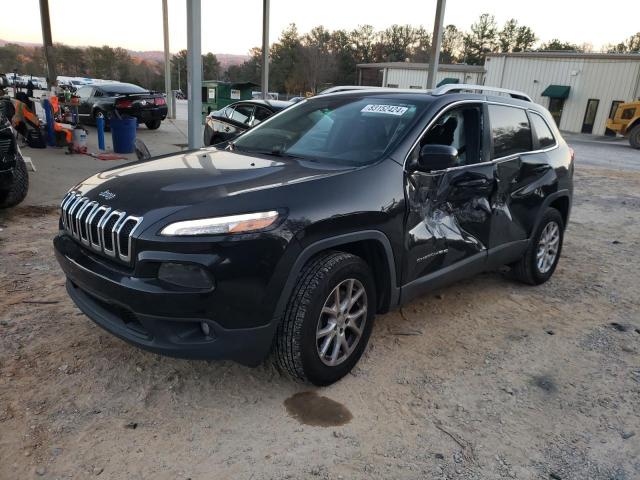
(334, 243)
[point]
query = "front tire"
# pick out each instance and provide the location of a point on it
(19, 187)
(541, 257)
(634, 137)
(153, 124)
(328, 319)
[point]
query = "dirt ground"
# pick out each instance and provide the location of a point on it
(486, 379)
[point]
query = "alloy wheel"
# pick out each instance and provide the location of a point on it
(341, 322)
(548, 247)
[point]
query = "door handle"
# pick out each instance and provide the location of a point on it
(478, 182)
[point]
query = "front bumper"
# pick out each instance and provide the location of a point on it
(146, 115)
(144, 313)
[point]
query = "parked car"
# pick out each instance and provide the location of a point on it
(126, 99)
(232, 120)
(291, 238)
(14, 178)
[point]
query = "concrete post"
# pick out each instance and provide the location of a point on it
(194, 73)
(436, 43)
(167, 59)
(265, 48)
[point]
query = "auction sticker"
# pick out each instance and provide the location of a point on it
(385, 109)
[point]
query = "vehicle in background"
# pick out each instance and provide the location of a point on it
(626, 122)
(226, 124)
(291, 238)
(121, 99)
(258, 95)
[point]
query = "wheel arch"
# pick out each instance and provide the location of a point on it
(372, 246)
(561, 201)
(631, 125)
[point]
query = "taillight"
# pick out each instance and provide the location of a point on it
(573, 154)
(124, 103)
(160, 101)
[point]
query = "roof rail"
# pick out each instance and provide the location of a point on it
(460, 87)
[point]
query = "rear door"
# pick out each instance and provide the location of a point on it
(449, 218)
(522, 170)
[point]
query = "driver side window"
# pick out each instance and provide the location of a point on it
(460, 128)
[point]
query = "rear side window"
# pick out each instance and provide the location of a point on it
(543, 132)
(261, 115)
(510, 131)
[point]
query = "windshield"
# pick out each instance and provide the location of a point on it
(349, 130)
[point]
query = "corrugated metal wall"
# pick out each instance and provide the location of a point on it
(408, 78)
(607, 80)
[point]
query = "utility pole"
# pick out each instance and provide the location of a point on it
(167, 59)
(265, 48)
(194, 72)
(436, 43)
(47, 43)
(179, 84)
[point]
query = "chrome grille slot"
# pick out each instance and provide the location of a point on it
(123, 234)
(107, 231)
(98, 226)
(94, 230)
(83, 224)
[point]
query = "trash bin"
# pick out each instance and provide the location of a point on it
(123, 134)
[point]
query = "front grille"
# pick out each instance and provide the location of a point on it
(99, 227)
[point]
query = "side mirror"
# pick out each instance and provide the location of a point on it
(436, 157)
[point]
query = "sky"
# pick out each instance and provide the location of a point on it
(235, 26)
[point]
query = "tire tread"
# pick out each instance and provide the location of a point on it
(287, 350)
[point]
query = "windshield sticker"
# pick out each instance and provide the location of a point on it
(385, 109)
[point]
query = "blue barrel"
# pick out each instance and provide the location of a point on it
(123, 134)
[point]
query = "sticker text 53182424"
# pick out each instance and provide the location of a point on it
(385, 109)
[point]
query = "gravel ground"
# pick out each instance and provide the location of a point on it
(484, 379)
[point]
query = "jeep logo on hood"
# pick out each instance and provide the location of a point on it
(107, 195)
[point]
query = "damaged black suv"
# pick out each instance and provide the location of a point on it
(288, 240)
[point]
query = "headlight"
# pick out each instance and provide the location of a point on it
(249, 222)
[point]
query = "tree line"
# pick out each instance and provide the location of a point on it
(304, 62)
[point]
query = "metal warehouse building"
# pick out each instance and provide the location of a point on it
(414, 75)
(580, 89)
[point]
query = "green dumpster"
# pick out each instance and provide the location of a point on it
(217, 94)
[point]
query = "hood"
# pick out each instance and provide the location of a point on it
(173, 182)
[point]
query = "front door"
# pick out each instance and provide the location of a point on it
(590, 115)
(232, 121)
(449, 218)
(556, 105)
(85, 105)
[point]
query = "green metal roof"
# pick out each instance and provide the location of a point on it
(556, 91)
(448, 81)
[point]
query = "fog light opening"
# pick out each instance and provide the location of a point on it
(206, 329)
(185, 275)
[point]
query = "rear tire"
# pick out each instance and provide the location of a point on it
(153, 124)
(634, 137)
(537, 266)
(19, 188)
(315, 314)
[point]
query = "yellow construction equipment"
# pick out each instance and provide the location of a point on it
(626, 122)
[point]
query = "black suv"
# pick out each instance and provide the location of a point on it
(289, 239)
